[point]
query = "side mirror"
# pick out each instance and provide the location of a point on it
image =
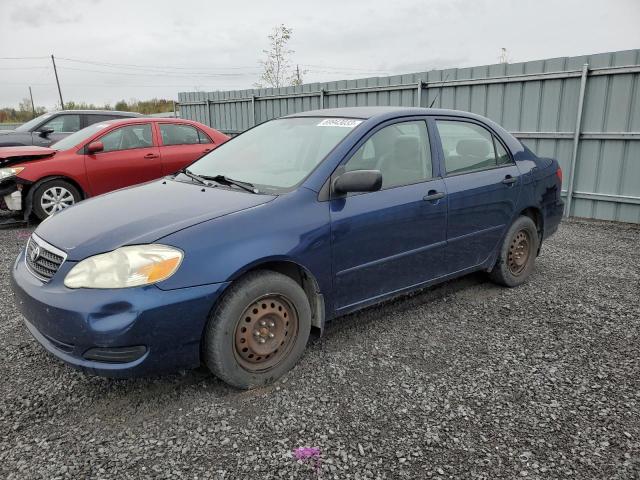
(45, 132)
(95, 147)
(358, 181)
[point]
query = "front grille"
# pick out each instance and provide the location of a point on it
(43, 260)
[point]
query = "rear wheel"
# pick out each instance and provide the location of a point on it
(517, 255)
(259, 330)
(53, 196)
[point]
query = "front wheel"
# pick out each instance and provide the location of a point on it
(518, 253)
(259, 330)
(53, 196)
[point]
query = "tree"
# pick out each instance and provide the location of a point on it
(276, 66)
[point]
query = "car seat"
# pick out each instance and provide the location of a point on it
(404, 163)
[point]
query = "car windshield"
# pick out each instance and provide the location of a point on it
(78, 137)
(278, 154)
(26, 127)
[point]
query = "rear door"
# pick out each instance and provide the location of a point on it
(181, 144)
(392, 239)
(130, 156)
(482, 183)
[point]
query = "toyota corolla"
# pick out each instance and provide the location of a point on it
(233, 261)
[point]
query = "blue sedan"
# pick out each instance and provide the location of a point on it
(232, 261)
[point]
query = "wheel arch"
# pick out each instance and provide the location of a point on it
(32, 188)
(535, 214)
(298, 273)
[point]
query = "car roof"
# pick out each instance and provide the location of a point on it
(115, 121)
(371, 112)
(99, 112)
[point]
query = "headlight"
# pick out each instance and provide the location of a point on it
(125, 267)
(9, 172)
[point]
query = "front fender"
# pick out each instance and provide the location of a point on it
(294, 227)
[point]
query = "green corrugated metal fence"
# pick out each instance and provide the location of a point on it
(584, 111)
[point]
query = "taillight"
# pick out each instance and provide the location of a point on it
(559, 174)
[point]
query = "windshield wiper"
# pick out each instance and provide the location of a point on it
(249, 187)
(193, 176)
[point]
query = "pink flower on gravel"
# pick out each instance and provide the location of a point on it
(310, 456)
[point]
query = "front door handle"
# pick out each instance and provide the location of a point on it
(509, 180)
(207, 150)
(151, 155)
(433, 195)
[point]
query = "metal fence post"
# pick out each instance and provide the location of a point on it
(576, 140)
(253, 110)
(419, 93)
(208, 102)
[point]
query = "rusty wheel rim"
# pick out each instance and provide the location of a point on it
(265, 333)
(519, 252)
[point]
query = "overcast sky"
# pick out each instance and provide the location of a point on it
(170, 46)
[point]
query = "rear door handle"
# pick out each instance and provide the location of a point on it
(433, 195)
(508, 180)
(151, 155)
(207, 150)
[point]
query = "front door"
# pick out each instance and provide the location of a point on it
(130, 156)
(62, 125)
(483, 184)
(392, 239)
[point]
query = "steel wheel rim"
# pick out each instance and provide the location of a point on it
(55, 199)
(519, 252)
(265, 333)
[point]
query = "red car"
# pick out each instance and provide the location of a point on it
(98, 159)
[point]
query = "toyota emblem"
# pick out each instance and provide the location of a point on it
(35, 253)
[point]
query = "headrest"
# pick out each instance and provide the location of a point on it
(475, 147)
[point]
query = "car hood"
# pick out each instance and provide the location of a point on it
(13, 155)
(141, 214)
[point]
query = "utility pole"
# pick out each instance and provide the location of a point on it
(53, 60)
(33, 106)
(298, 74)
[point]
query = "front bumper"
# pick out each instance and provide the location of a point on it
(74, 324)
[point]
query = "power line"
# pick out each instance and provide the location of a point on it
(167, 74)
(151, 67)
(23, 58)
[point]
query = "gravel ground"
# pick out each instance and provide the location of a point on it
(466, 380)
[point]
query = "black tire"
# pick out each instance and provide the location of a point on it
(257, 298)
(514, 266)
(40, 190)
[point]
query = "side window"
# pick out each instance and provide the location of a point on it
(129, 137)
(176, 134)
(91, 119)
(501, 154)
(203, 137)
(63, 124)
(401, 152)
(467, 146)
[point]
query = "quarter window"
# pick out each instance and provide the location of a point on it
(63, 124)
(401, 152)
(467, 146)
(129, 137)
(180, 134)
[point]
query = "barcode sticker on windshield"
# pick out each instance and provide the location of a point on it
(339, 122)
